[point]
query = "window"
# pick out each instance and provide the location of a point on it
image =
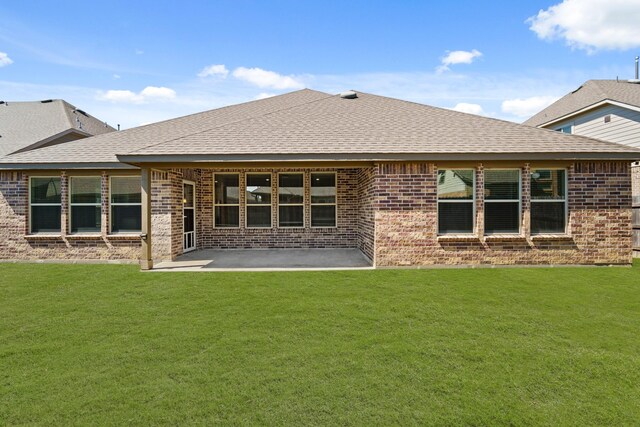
(45, 205)
(85, 213)
(323, 199)
(291, 200)
(258, 199)
(548, 201)
(456, 204)
(226, 200)
(502, 201)
(126, 204)
(565, 129)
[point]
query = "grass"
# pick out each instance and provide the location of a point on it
(110, 345)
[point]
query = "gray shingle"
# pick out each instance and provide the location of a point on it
(591, 92)
(308, 124)
(373, 124)
(103, 148)
(25, 124)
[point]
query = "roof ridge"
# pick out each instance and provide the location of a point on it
(239, 120)
(224, 107)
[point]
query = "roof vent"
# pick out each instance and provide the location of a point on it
(634, 81)
(46, 101)
(350, 94)
(81, 112)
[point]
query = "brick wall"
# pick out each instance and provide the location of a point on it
(391, 204)
(366, 217)
(16, 244)
(635, 179)
(599, 222)
(345, 235)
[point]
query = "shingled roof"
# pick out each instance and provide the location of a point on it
(309, 125)
(28, 125)
(590, 93)
(100, 151)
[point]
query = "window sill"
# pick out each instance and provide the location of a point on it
(502, 237)
(458, 238)
(43, 236)
(551, 237)
(84, 236)
(124, 236)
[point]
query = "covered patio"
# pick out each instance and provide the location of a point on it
(267, 260)
(264, 216)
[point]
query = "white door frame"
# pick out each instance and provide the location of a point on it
(193, 233)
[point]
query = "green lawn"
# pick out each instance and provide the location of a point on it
(110, 345)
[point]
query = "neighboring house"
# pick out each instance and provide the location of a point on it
(604, 109)
(28, 125)
(408, 184)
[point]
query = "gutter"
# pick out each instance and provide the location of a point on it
(376, 157)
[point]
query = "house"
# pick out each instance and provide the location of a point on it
(28, 125)
(604, 109)
(405, 183)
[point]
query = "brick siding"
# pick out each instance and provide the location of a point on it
(389, 211)
(599, 221)
(344, 235)
(16, 244)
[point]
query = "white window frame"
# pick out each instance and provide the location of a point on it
(110, 204)
(71, 204)
(519, 232)
(44, 204)
(292, 204)
(472, 201)
(247, 204)
(565, 200)
(311, 204)
(240, 189)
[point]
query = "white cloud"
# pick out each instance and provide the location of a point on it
(5, 60)
(116, 76)
(527, 107)
(148, 93)
(458, 57)
(139, 52)
(158, 92)
(464, 107)
(264, 95)
(590, 24)
(266, 79)
(120, 96)
(218, 70)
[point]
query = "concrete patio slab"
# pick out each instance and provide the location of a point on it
(267, 260)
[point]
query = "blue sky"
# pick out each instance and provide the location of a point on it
(136, 62)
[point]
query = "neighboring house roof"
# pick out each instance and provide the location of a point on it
(28, 125)
(590, 94)
(309, 125)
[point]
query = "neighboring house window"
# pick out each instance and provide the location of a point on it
(323, 199)
(291, 200)
(85, 213)
(502, 201)
(45, 205)
(226, 200)
(456, 204)
(258, 199)
(565, 129)
(126, 204)
(548, 201)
